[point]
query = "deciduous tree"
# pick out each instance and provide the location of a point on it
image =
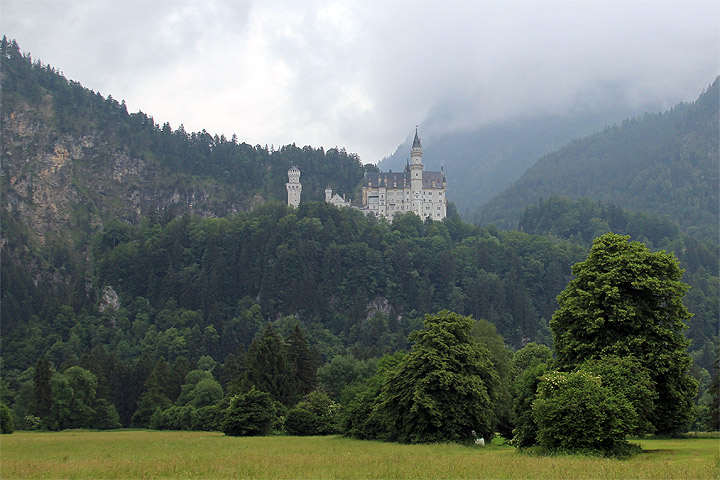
(626, 300)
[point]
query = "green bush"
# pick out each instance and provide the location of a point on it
(249, 414)
(106, 416)
(6, 421)
(301, 422)
(208, 418)
(575, 412)
(525, 386)
(173, 418)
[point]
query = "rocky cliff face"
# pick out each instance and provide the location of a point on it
(64, 185)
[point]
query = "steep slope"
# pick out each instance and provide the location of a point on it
(68, 153)
(665, 163)
(73, 160)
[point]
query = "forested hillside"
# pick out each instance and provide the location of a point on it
(581, 221)
(664, 163)
(72, 159)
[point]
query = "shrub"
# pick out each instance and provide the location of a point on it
(249, 414)
(301, 422)
(173, 418)
(6, 421)
(574, 411)
(106, 416)
(525, 386)
(208, 418)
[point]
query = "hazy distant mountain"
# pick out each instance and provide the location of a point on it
(480, 163)
(665, 163)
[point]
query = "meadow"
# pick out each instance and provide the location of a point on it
(155, 454)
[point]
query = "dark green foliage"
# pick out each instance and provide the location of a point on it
(575, 412)
(155, 397)
(303, 361)
(268, 368)
(7, 425)
(625, 300)
(42, 393)
(106, 416)
(316, 414)
(362, 417)
(625, 377)
(714, 392)
(341, 371)
(486, 335)
(445, 388)
(584, 220)
(176, 417)
(249, 414)
(299, 421)
(200, 390)
(208, 418)
(525, 387)
(530, 355)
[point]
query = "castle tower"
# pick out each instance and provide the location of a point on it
(416, 175)
(294, 188)
(328, 193)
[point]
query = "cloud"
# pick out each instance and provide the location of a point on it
(361, 74)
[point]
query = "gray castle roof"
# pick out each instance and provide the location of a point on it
(416, 142)
(402, 179)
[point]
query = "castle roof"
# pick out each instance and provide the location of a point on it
(402, 179)
(416, 142)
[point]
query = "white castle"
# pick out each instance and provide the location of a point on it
(414, 190)
(389, 194)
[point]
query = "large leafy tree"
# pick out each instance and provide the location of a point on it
(626, 300)
(446, 387)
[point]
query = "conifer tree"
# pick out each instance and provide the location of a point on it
(268, 367)
(42, 392)
(303, 361)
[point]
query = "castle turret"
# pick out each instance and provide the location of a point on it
(294, 188)
(328, 193)
(416, 175)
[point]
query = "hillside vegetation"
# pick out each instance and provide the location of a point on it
(664, 163)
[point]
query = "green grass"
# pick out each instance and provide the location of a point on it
(151, 454)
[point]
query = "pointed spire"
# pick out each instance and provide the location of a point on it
(416, 142)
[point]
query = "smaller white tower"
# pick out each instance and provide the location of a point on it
(328, 193)
(294, 188)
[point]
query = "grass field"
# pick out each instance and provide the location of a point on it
(151, 454)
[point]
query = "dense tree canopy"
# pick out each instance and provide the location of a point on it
(446, 388)
(626, 300)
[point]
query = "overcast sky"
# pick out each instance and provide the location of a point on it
(361, 74)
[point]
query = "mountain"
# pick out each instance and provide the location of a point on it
(72, 158)
(479, 163)
(664, 163)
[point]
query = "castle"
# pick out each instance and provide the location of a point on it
(388, 194)
(414, 190)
